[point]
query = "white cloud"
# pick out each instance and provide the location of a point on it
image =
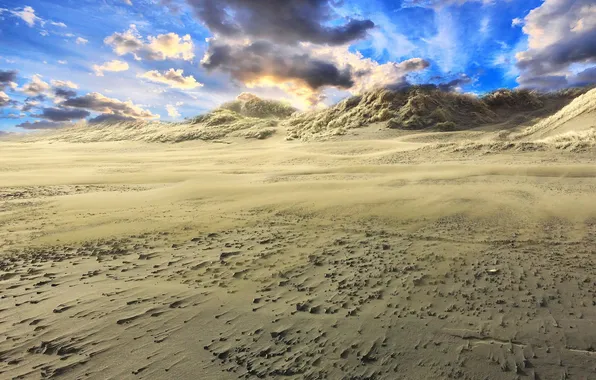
(114, 65)
(172, 111)
(4, 99)
(64, 83)
(377, 75)
(171, 45)
(485, 25)
(173, 78)
(164, 46)
(81, 41)
(127, 2)
(27, 14)
(444, 47)
(62, 62)
(36, 87)
(441, 3)
(517, 22)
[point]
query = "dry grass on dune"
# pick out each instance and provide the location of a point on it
(573, 140)
(413, 108)
(549, 133)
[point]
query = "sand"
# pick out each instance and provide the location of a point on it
(354, 258)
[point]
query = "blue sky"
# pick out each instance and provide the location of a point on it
(160, 59)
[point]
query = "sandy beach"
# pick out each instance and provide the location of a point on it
(353, 258)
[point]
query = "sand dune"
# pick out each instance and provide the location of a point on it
(367, 256)
(577, 116)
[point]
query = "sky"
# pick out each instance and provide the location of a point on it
(64, 61)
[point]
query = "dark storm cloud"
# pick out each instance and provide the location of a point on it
(7, 77)
(62, 114)
(32, 102)
(581, 48)
(65, 93)
(99, 103)
(262, 59)
(453, 84)
(288, 21)
(586, 77)
(543, 82)
(560, 33)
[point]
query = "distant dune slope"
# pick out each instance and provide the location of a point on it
(248, 116)
(578, 116)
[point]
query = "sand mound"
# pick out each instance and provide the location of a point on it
(248, 117)
(578, 115)
(414, 108)
(573, 141)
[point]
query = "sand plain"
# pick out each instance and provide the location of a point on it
(355, 258)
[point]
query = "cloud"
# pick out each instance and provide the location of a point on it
(560, 33)
(58, 24)
(27, 14)
(12, 116)
(288, 22)
(36, 86)
(172, 111)
(162, 47)
(64, 84)
(99, 103)
(587, 76)
(8, 79)
(31, 103)
(127, 2)
(114, 65)
(173, 78)
(301, 46)
(81, 41)
(454, 84)
(62, 114)
(171, 45)
(440, 3)
(387, 39)
(517, 22)
(64, 93)
(43, 125)
(4, 99)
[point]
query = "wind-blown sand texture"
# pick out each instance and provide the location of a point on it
(354, 258)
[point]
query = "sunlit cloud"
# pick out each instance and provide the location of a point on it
(172, 78)
(114, 65)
